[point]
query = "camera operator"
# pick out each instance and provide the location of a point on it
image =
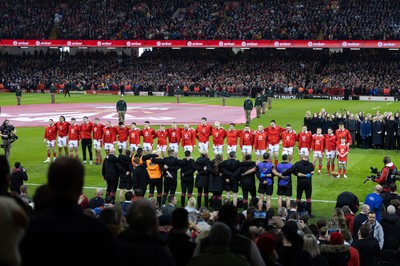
(385, 179)
(7, 133)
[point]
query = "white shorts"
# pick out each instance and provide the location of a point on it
(97, 144)
(63, 141)
(231, 148)
(287, 151)
(73, 144)
(318, 154)
(188, 148)
(273, 148)
(162, 148)
(122, 145)
(133, 147)
(108, 146)
(247, 149)
(304, 151)
(218, 149)
(51, 143)
(174, 147)
(330, 154)
(260, 152)
(203, 146)
(342, 162)
(147, 146)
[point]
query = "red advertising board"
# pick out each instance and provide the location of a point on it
(279, 44)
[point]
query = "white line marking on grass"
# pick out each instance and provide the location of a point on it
(94, 188)
(209, 100)
(389, 103)
(376, 107)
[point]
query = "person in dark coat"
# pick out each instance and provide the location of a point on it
(390, 133)
(352, 126)
(390, 223)
(360, 219)
(63, 224)
(216, 182)
(125, 174)
(187, 165)
(203, 168)
(110, 172)
(247, 173)
(228, 168)
(367, 246)
(140, 176)
(365, 133)
(179, 242)
(140, 243)
(316, 122)
(378, 129)
(336, 252)
(18, 177)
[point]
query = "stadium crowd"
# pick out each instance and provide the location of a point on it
(366, 72)
(154, 19)
(141, 230)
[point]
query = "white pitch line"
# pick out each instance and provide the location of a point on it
(389, 103)
(194, 193)
(209, 100)
(376, 107)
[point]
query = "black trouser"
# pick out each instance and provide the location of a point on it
(304, 185)
(87, 143)
(199, 194)
(216, 201)
(246, 196)
(156, 183)
(7, 147)
(112, 185)
(186, 186)
(169, 188)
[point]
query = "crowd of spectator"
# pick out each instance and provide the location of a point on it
(155, 19)
(365, 72)
(141, 230)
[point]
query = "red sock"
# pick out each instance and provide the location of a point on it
(340, 171)
(48, 155)
(333, 167)
(319, 167)
(344, 171)
(328, 166)
(276, 162)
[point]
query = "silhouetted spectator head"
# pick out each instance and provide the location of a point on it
(142, 216)
(65, 177)
(219, 235)
(180, 219)
(128, 195)
(336, 238)
(391, 209)
(266, 243)
(228, 214)
(138, 192)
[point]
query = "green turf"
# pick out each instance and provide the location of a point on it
(30, 149)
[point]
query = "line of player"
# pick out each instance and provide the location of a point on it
(69, 134)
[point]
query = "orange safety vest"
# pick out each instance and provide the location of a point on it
(153, 169)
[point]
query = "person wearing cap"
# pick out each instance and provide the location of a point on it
(121, 109)
(336, 252)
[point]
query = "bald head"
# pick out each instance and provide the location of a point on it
(378, 189)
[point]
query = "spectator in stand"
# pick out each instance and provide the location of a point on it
(391, 229)
(18, 176)
(367, 247)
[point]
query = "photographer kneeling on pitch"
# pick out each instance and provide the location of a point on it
(8, 136)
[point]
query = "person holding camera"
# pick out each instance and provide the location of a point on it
(385, 178)
(18, 177)
(7, 133)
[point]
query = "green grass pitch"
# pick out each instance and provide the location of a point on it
(31, 151)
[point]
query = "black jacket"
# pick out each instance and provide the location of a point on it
(202, 175)
(216, 180)
(247, 181)
(304, 167)
(187, 169)
(228, 168)
(17, 179)
(111, 167)
(391, 231)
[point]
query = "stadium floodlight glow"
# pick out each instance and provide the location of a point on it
(110, 48)
(393, 49)
(210, 48)
(317, 49)
(246, 48)
(355, 49)
(83, 47)
(24, 47)
(280, 48)
(53, 47)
